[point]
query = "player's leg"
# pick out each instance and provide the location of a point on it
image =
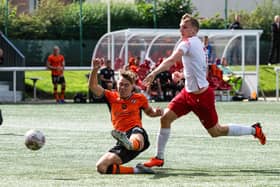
(63, 88)
(140, 140)
(111, 163)
(135, 139)
(168, 117)
(176, 108)
(206, 111)
(238, 130)
(105, 163)
(55, 84)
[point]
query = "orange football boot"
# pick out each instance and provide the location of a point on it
(154, 161)
(259, 133)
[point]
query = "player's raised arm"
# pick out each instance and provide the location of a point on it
(93, 81)
(164, 66)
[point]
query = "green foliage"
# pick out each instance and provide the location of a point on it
(54, 20)
(145, 13)
(215, 22)
(170, 12)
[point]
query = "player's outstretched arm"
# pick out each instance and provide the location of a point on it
(153, 112)
(164, 66)
(93, 80)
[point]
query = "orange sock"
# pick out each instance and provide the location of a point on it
(56, 95)
(62, 92)
(119, 169)
(135, 144)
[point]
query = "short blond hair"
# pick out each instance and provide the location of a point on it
(189, 18)
(128, 75)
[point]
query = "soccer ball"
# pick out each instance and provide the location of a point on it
(34, 139)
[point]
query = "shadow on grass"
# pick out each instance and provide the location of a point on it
(66, 179)
(11, 134)
(170, 172)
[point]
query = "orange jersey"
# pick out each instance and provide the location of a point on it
(56, 61)
(126, 113)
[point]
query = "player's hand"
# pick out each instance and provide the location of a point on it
(59, 68)
(96, 63)
(149, 80)
(177, 76)
(159, 111)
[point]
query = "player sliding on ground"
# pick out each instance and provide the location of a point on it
(197, 96)
(125, 107)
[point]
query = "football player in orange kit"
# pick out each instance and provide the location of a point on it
(56, 64)
(125, 107)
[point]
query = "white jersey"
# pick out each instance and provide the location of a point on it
(194, 62)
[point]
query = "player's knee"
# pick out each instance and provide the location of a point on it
(214, 134)
(217, 131)
(166, 120)
(101, 168)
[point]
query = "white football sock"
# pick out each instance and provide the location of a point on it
(162, 139)
(136, 170)
(239, 130)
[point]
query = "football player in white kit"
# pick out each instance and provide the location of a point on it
(197, 96)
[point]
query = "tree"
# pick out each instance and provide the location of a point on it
(170, 12)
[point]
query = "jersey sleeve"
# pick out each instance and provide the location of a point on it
(144, 102)
(110, 96)
(184, 46)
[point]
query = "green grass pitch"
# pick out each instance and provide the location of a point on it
(78, 134)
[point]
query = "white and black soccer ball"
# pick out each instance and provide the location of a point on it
(34, 139)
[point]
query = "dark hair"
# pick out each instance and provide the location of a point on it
(188, 18)
(128, 75)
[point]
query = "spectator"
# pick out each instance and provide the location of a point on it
(229, 77)
(56, 64)
(225, 68)
(236, 24)
(137, 61)
(179, 81)
(178, 66)
(107, 76)
(166, 84)
(208, 49)
(275, 41)
(154, 91)
(1, 56)
(235, 47)
(132, 65)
